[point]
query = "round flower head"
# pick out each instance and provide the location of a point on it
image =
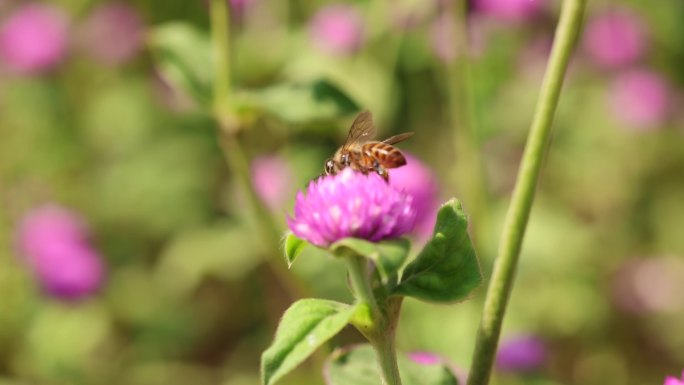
(421, 185)
(337, 30)
(351, 204)
(521, 354)
(34, 39)
(53, 241)
(509, 10)
(669, 380)
(614, 39)
(113, 33)
(640, 99)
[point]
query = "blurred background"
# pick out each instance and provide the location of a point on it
(134, 250)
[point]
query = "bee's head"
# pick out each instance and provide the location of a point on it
(329, 166)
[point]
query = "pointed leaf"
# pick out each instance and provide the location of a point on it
(306, 325)
(293, 247)
(446, 269)
(388, 256)
(359, 366)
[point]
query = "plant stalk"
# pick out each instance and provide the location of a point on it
(501, 282)
(380, 331)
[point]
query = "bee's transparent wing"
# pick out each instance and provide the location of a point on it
(362, 130)
(398, 138)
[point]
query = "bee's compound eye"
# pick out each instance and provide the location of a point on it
(329, 166)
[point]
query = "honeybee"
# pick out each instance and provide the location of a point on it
(362, 153)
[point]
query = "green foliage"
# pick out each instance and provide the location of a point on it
(388, 256)
(447, 269)
(293, 246)
(305, 326)
(358, 366)
(183, 55)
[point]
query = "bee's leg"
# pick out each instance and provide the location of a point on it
(381, 171)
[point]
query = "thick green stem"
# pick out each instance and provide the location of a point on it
(380, 324)
(503, 275)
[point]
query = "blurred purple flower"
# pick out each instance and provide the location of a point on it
(508, 10)
(640, 99)
(53, 241)
(669, 380)
(521, 354)
(418, 181)
(614, 39)
(351, 204)
(241, 5)
(113, 33)
(442, 41)
(337, 30)
(272, 179)
(34, 38)
(424, 358)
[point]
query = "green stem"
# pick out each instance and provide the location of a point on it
(503, 275)
(463, 119)
(230, 145)
(380, 328)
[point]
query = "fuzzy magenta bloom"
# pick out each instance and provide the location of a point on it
(614, 39)
(113, 33)
(509, 10)
(421, 184)
(640, 99)
(272, 178)
(54, 243)
(521, 354)
(425, 358)
(669, 380)
(337, 30)
(351, 204)
(34, 39)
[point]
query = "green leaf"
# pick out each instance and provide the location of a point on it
(301, 102)
(446, 269)
(183, 55)
(359, 366)
(306, 325)
(293, 246)
(388, 256)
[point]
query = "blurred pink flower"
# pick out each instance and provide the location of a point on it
(646, 285)
(420, 183)
(509, 10)
(442, 33)
(54, 244)
(272, 180)
(241, 5)
(640, 99)
(337, 30)
(34, 38)
(669, 380)
(521, 354)
(424, 358)
(113, 33)
(614, 39)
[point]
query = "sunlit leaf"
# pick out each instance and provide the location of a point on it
(446, 269)
(305, 326)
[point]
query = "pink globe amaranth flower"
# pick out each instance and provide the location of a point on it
(508, 10)
(351, 204)
(669, 380)
(113, 33)
(615, 38)
(34, 39)
(54, 244)
(649, 285)
(418, 181)
(337, 30)
(425, 358)
(521, 354)
(640, 99)
(272, 178)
